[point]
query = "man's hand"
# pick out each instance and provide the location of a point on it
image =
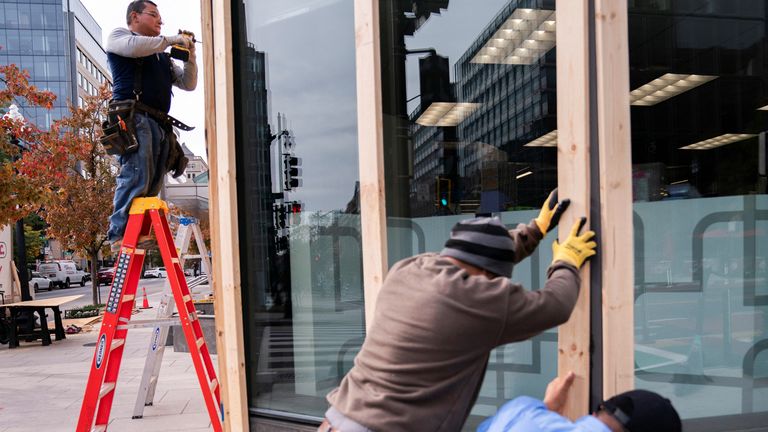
(557, 392)
(576, 248)
(550, 212)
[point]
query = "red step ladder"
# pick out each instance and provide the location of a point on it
(145, 214)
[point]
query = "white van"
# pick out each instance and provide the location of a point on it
(62, 273)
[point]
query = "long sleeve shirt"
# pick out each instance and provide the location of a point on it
(423, 361)
(526, 414)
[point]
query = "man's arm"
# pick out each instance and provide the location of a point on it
(127, 44)
(526, 238)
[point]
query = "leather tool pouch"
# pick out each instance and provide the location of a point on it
(119, 133)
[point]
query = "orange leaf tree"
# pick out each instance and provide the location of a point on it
(78, 179)
(19, 196)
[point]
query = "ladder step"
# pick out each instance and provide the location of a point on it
(128, 297)
(117, 343)
(214, 384)
(175, 260)
(187, 298)
(150, 323)
(105, 389)
(99, 428)
(200, 342)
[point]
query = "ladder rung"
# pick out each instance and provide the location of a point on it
(128, 297)
(117, 344)
(123, 320)
(163, 322)
(200, 342)
(175, 260)
(214, 384)
(105, 389)
(193, 316)
(187, 298)
(99, 428)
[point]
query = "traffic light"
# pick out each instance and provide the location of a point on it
(443, 191)
(280, 219)
(294, 207)
(292, 172)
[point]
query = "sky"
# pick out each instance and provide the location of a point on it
(186, 106)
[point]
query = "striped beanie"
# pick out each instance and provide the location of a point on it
(484, 243)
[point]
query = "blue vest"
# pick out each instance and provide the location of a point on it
(156, 79)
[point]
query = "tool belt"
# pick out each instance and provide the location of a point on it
(119, 132)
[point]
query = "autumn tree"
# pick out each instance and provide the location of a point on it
(19, 196)
(78, 179)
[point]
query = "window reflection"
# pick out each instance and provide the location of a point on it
(298, 200)
(697, 74)
(469, 87)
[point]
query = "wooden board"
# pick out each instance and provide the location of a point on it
(573, 179)
(370, 149)
(615, 153)
(220, 140)
(51, 302)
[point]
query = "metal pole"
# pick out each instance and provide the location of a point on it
(21, 250)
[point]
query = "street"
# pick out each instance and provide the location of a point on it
(154, 289)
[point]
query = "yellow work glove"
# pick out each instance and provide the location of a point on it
(550, 212)
(576, 248)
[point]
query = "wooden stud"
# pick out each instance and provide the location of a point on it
(371, 155)
(573, 181)
(615, 153)
(220, 136)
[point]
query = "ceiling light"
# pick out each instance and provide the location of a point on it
(718, 141)
(524, 37)
(666, 86)
(446, 114)
(548, 140)
(525, 174)
(765, 108)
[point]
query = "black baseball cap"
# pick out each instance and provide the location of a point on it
(643, 411)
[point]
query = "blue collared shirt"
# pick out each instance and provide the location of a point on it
(526, 414)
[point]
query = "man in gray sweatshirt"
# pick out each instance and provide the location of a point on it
(438, 316)
(143, 72)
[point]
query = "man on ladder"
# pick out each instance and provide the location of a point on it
(145, 214)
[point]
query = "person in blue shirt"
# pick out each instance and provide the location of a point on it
(632, 411)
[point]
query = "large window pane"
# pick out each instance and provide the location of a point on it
(300, 243)
(470, 128)
(698, 78)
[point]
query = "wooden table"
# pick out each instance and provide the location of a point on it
(38, 306)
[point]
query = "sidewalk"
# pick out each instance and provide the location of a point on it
(41, 388)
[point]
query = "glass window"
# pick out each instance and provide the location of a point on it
(301, 263)
(698, 109)
(36, 16)
(447, 71)
(11, 15)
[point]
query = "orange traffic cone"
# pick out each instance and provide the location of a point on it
(145, 302)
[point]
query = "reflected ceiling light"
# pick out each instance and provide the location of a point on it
(548, 140)
(446, 114)
(666, 86)
(765, 108)
(525, 174)
(524, 37)
(718, 141)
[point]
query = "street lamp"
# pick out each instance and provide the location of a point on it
(14, 114)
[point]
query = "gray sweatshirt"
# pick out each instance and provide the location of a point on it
(423, 361)
(125, 43)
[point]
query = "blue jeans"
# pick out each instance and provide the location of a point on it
(141, 172)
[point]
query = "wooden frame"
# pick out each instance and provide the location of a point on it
(573, 178)
(615, 156)
(220, 136)
(370, 132)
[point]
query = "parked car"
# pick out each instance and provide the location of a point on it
(157, 272)
(38, 282)
(62, 273)
(105, 276)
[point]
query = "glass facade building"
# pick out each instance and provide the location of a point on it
(468, 99)
(50, 38)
